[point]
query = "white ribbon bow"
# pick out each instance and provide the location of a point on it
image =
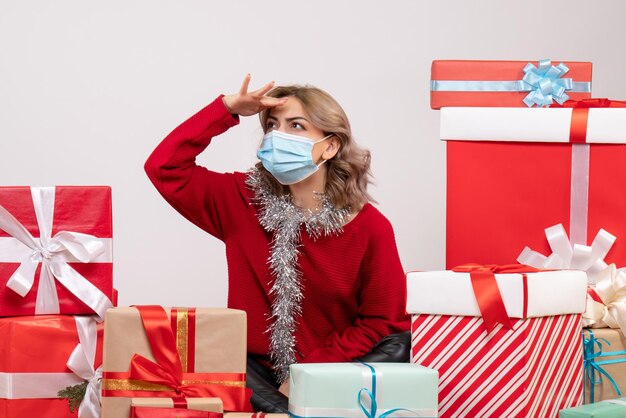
(611, 288)
(573, 257)
(81, 362)
(53, 253)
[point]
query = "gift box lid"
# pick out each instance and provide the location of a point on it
(546, 293)
(611, 408)
(605, 125)
(500, 83)
(198, 404)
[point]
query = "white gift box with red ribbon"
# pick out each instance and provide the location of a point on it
(533, 368)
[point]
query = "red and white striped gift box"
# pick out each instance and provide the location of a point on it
(533, 369)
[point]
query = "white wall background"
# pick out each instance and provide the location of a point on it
(88, 89)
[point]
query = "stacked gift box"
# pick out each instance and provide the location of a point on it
(505, 340)
(156, 352)
(528, 152)
(56, 270)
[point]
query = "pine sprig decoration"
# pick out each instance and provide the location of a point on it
(74, 394)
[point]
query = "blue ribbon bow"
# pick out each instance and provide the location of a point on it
(591, 366)
(545, 84)
(371, 412)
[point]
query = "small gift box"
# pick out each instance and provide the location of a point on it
(612, 408)
(362, 389)
(254, 415)
(151, 351)
(176, 408)
(604, 363)
(461, 83)
(504, 339)
(44, 358)
(55, 250)
(513, 172)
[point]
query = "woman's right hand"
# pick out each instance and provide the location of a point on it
(246, 104)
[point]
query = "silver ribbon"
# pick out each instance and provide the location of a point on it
(47, 385)
(579, 194)
(53, 253)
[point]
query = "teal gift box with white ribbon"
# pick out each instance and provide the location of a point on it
(612, 408)
(363, 390)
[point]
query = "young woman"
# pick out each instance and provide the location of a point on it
(310, 260)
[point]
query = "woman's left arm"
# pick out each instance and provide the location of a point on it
(382, 300)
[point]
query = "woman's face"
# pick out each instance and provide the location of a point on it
(291, 118)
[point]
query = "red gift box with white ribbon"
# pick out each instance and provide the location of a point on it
(514, 172)
(44, 354)
(55, 250)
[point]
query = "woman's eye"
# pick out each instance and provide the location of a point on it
(297, 125)
(270, 126)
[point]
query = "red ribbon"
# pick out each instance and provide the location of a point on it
(488, 294)
(167, 370)
(580, 115)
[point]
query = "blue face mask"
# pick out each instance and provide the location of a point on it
(288, 157)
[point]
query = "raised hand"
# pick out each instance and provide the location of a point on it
(246, 103)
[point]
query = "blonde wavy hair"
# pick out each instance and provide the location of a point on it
(348, 172)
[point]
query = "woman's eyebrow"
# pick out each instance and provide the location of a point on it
(289, 119)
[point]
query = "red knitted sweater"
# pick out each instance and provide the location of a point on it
(353, 283)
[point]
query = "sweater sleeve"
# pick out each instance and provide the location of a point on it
(208, 199)
(382, 301)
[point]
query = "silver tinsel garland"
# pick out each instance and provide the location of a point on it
(279, 215)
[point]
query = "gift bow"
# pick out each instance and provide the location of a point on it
(371, 394)
(487, 292)
(81, 363)
(545, 84)
(53, 253)
(167, 371)
(591, 366)
(594, 103)
(567, 256)
(606, 302)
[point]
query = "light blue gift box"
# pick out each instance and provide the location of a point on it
(611, 408)
(362, 390)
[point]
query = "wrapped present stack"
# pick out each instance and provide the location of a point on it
(59, 360)
(56, 270)
(529, 152)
